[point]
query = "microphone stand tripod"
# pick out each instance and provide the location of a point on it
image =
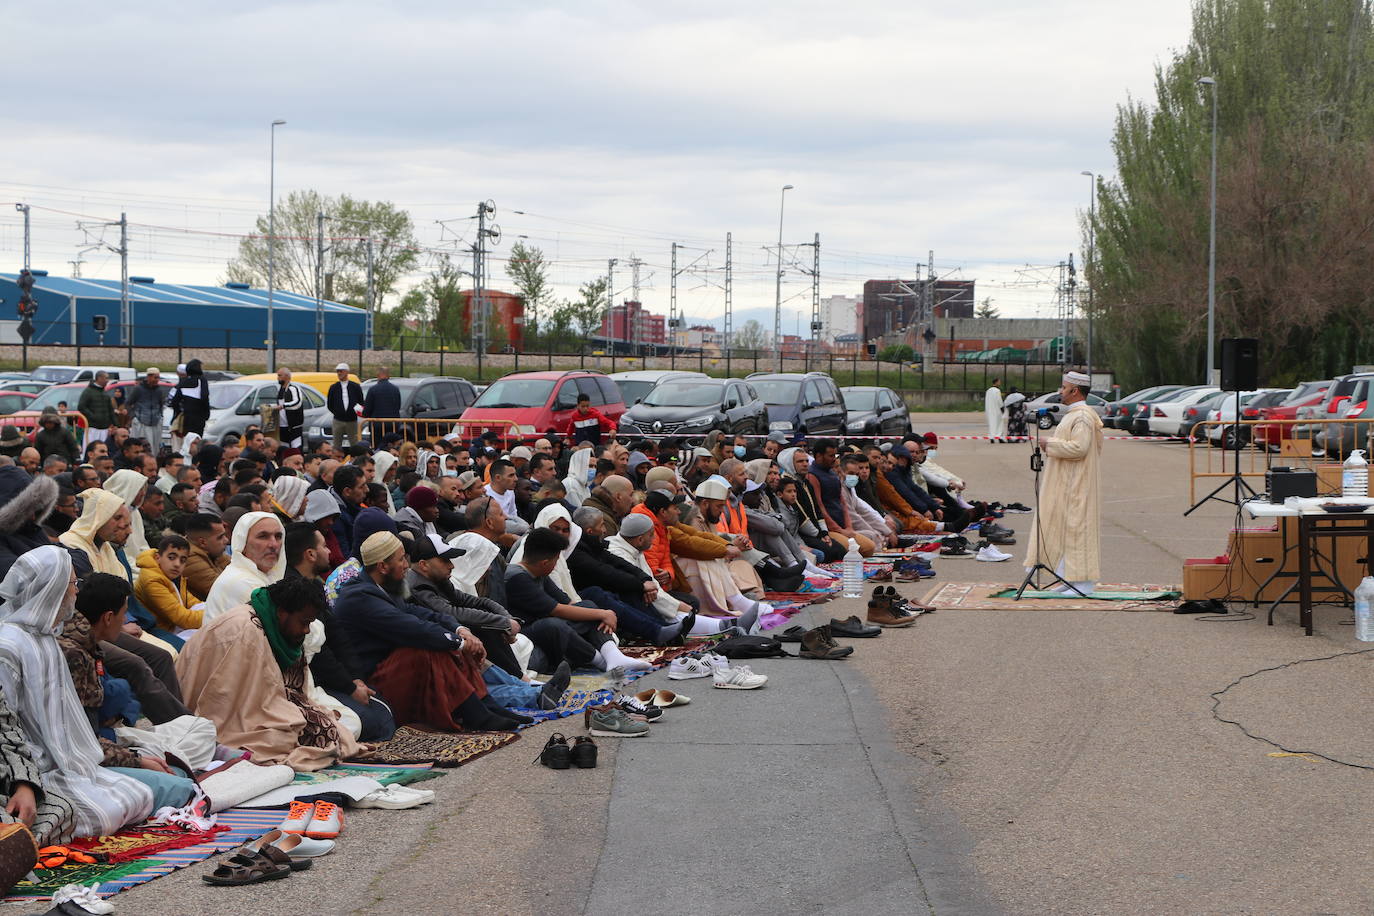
(1037, 464)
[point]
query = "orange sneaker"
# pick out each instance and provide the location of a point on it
(298, 818)
(327, 822)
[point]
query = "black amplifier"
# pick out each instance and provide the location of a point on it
(1285, 482)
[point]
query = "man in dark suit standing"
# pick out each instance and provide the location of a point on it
(345, 401)
(383, 400)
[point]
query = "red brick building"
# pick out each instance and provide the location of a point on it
(631, 323)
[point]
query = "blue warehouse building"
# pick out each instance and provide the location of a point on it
(174, 314)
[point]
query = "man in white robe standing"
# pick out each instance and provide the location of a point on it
(1067, 533)
(992, 410)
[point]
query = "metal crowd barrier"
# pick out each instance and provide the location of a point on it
(1265, 443)
(418, 430)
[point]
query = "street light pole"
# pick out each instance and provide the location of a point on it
(777, 303)
(272, 248)
(1092, 262)
(1212, 246)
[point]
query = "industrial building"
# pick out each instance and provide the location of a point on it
(73, 310)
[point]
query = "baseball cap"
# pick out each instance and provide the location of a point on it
(712, 488)
(522, 451)
(901, 451)
(700, 452)
(931, 439)
(751, 485)
(341, 367)
(658, 500)
(466, 479)
(429, 546)
(780, 438)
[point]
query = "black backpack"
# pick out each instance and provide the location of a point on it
(751, 647)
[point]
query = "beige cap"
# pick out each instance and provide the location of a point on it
(712, 489)
(342, 367)
(379, 546)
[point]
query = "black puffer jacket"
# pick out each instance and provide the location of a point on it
(24, 502)
(592, 563)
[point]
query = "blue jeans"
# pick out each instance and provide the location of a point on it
(168, 791)
(378, 724)
(632, 620)
(510, 691)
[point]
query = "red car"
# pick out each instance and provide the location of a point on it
(26, 419)
(13, 401)
(1271, 435)
(528, 405)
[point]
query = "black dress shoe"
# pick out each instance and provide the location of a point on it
(853, 627)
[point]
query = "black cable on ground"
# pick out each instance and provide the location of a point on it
(1216, 702)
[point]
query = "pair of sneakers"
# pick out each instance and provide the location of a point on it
(317, 820)
(396, 797)
(718, 668)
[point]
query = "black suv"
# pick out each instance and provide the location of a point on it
(696, 406)
(801, 404)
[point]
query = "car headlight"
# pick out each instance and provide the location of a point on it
(856, 426)
(784, 425)
(700, 421)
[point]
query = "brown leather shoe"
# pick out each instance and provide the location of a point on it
(818, 643)
(880, 613)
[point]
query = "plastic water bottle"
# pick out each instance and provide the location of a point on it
(853, 571)
(1355, 475)
(1364, 616)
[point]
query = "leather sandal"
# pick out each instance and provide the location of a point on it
(268, 864)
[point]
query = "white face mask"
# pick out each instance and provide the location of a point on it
(851, 480)
(930, 452)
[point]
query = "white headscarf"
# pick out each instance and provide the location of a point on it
(242, 575)
(469, 569)
(36, 681)
(576, 481)
(290, 494)
(422, 464)
(127, 484)
(560, 575)
(385, 461)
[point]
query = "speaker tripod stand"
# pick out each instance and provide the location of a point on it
(1037, 464)
(1236, 481)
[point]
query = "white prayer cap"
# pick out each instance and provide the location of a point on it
(1078, 378)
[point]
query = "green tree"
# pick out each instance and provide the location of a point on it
(1295, 196)
(583, 315)
(345, 258)
(750, 336)
(529, 271)
(987, 310)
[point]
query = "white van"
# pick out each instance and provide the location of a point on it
(61, 375)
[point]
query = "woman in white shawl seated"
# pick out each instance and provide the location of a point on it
(258, 560)
(578, 482)
(39, 595)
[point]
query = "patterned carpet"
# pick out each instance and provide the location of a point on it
(442, 749)
(979, 596)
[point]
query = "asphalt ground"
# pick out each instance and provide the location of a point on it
(979, 762)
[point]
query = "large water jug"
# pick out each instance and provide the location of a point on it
(853, 571)
(1364, 617)
(1355, 475)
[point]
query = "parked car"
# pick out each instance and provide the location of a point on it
(875, 412)
(697, 405)
(234, 406)
(801, 404)
(1140, 421)
(13, 401)
(59, 375)
(1121, 414)
(1270, 436)
(54, 395)
(436, 397)
(1224, 411)
(25, 385)
(1054, 409)
(634, 385)
(1166, 417)
(527, 405)
(1336, 440)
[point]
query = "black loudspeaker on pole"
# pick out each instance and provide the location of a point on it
(1239, 364)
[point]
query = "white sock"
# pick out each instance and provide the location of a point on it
(609, 656)
(739, 602)
(706, 626)
(939, 526)
(813, 570)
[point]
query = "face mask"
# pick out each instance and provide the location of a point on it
(591, 474)
(739, 451)
(930, 453)
(851, 480)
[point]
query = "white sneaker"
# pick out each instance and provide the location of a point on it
(740, 678)
(84, 897)
(387, 797)
(685, 667)
(990, 554)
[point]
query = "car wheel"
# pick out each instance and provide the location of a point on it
(1044, 422)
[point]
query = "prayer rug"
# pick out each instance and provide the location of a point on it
(584, 690)
(984, 596)
(233, 828)
(388, 773)
(442, 749)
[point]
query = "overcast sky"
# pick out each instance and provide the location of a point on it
(616, 127)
